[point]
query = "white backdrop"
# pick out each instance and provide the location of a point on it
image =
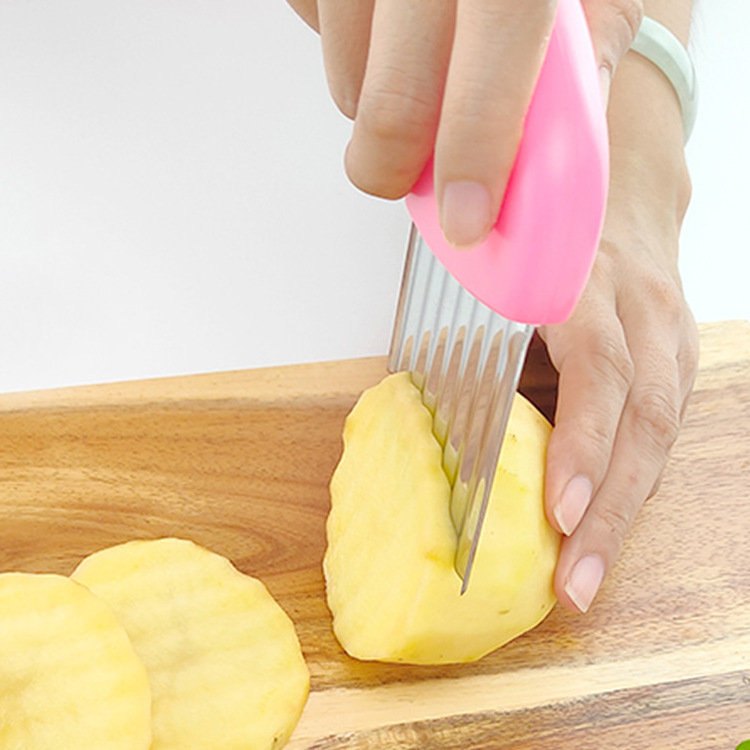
(172, 197)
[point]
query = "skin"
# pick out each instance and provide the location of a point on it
(627, 357)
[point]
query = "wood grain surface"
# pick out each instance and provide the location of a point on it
(240, 462)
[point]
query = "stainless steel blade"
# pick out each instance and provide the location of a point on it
(482, 442)
(467, 361)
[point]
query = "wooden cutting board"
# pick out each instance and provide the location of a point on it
(240, 463)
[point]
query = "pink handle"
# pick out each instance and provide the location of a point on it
(534, 265)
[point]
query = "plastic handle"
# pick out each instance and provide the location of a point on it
(535, 263)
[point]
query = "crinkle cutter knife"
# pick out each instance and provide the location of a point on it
(465, 317)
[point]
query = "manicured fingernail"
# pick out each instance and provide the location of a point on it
(465, 213)
(573, 503)
(585, 580)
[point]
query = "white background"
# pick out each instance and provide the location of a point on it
(172, 197)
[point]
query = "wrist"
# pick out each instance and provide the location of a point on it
(648, 165)
(659, 45)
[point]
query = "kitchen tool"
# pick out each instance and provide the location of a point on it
(465, 318)
(241, 462)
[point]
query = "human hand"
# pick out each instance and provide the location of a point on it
(408, 75)
(627, 357)
(453, 78)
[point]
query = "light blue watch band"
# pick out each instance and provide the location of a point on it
(659, 45)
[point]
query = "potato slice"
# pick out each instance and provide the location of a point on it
(223, 658)
(391, 583)
(69, 677)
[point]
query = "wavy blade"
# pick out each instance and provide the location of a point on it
(467, 361)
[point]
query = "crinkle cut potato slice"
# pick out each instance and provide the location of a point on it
(390, 579)
(225, 665)
(69, 677)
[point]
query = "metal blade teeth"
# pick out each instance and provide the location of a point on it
(466, 359)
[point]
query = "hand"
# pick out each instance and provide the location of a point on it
(627, 357)
(454, 77)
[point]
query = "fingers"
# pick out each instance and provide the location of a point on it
(399, 105)
(647, 431)
(596, 374)
(613, 25)
(607, 458)
(455, 77)
(345, 38)
(497, 54)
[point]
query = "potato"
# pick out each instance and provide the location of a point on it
(389, 565)
(223, 658)
(69, 677)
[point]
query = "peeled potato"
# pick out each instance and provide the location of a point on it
(389, 565)
(223, 658)
(69, 677)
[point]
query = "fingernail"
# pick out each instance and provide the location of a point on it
(572, 505)
(585, 580)
(465, 213)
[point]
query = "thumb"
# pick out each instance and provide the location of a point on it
(613, 25)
